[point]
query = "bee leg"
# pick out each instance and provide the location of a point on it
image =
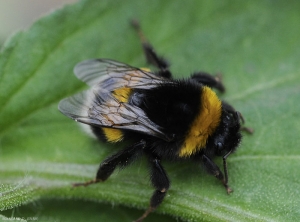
(150, 54)
(121, 159)
(160, 182)
(209, 80)
(213, 169)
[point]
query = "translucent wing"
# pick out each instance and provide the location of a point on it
(109, 74)
(98, 106)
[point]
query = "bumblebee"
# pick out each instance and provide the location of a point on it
(162, 117)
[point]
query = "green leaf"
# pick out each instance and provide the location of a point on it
(255, 44)
(3, 218)
(74, 210)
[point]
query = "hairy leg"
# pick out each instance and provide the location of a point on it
(161, 183)
(214, 170)
(121, 159)
(151, 55)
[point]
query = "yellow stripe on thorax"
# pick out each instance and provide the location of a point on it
(116, 135)
(204, 124)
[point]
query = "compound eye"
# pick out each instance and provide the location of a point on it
(220, 146)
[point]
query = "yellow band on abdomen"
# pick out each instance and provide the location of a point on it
(112, 135)
(116, 135)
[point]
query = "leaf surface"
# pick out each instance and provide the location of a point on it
(255, 44)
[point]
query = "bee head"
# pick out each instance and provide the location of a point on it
(228, 136)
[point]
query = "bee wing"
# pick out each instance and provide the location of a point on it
(98, 107)
(110, 74)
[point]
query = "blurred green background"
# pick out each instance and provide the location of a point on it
(19, 14)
